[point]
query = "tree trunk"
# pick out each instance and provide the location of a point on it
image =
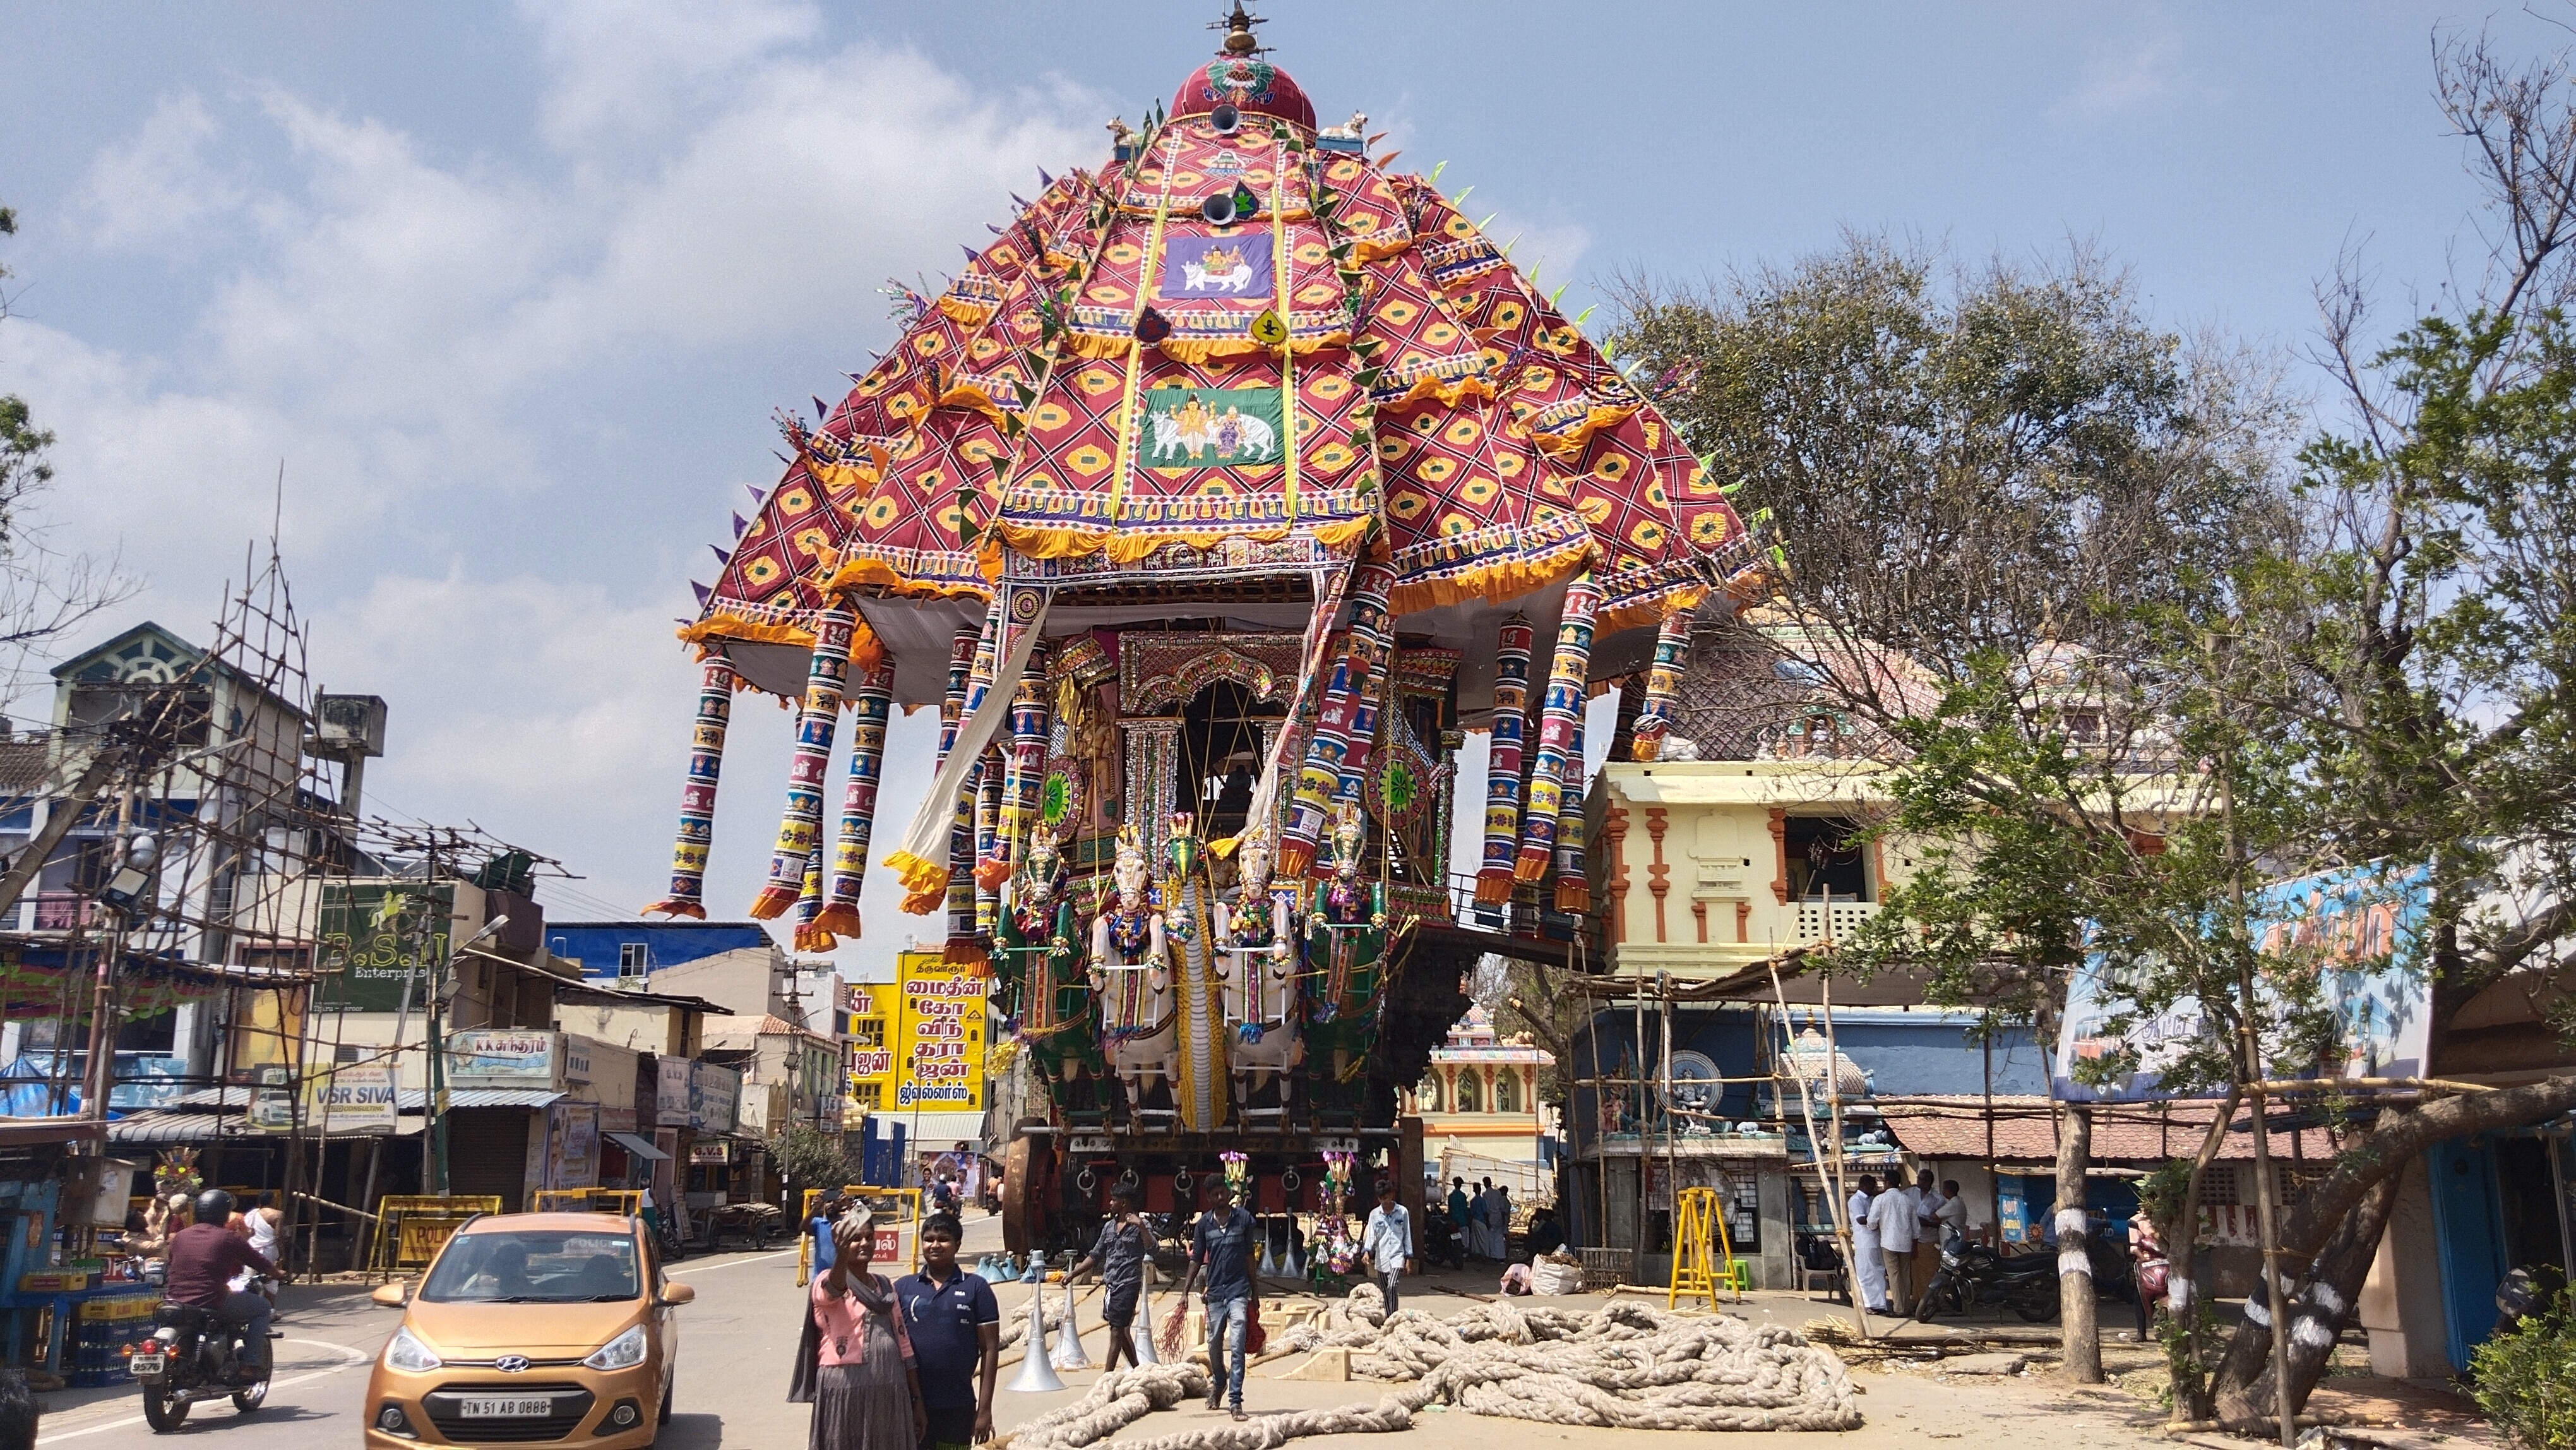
(2182, 1255)
(2379, 1157)
(2318, 1310)
(2075, 1293)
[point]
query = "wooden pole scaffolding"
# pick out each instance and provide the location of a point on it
(1835, 1202)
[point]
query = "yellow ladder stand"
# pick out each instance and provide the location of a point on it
(1696, 1271)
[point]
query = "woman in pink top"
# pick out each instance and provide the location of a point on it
(855, 1362)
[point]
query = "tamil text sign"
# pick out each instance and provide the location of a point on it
(939, 1046)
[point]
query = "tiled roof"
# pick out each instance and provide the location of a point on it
(2123, 1133)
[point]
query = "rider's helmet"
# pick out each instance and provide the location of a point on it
(214, 1206)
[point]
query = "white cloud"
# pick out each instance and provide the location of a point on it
(2127, 72)
(422, 340)
(158, 190)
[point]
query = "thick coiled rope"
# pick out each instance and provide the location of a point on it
(1626, 1366)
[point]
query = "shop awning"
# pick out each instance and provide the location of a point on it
(172, 1130)
(641, 1147)
(413, 1099)
(942, 1131)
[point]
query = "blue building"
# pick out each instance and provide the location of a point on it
(612, 950)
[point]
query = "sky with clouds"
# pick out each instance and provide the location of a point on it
(511, 292)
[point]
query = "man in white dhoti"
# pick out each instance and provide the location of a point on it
(1869, 1271)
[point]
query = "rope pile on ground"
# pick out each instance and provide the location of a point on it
(1626, 1366)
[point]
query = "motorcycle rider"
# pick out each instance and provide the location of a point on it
(204, 1256)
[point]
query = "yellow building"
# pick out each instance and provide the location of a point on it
(1480, 1110)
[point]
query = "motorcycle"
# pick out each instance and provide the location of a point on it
(1973, 1276)
(192, 1357)
(1441, 1243)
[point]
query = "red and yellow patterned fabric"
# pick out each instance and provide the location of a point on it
(1239, 331)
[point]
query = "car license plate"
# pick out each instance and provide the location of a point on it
(507, 1407)
(147, 1363)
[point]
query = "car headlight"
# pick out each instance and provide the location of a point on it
(624, 1352)
(405, 1352)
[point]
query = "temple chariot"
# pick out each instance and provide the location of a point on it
(1214, 500)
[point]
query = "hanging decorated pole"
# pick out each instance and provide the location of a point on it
(1566, 674)
(1322, 776)
(1011, 631)
(801, 824)
(988, 792)
(870, 702)
(1030, 718)
(698, 793)
(1503, 761)
(923, 894)
(1373, 640)
(1573, 885)
(809, 936)
(960, 892)
(1663, 684)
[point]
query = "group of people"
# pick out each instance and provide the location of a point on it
(903, 1363)
(1483, 1218)
(1897, 1234)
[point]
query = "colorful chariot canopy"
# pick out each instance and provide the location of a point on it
(1242, 347)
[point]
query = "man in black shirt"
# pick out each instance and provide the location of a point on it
(203, 1259)
(1221, 1247)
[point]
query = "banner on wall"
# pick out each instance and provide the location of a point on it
(2357, 928)
(939, 1044)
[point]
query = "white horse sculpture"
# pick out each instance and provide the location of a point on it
(1131, 976)
(1257, 961)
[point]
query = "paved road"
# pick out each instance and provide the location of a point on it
(734, 1349)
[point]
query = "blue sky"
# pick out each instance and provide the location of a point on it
(513, 291)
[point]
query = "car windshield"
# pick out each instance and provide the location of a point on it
(533, 1266)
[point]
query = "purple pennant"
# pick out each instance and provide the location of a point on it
(702, 591)
(721, 556)
(739, 524)
(1044, 179)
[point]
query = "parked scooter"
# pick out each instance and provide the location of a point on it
(192, 1357)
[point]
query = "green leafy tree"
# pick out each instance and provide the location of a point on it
(808, 1157)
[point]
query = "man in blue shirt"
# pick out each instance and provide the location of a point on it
(1221, 1247)
(956, 1330)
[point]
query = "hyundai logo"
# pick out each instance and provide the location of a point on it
(511, 1364)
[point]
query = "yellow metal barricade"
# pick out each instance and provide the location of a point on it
(1699, 1228)
(415, 1227)
(625, 1202)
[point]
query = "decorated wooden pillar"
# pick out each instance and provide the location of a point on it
(1031, 717)
(1503, 761)
(1614, 836)
(1663, 684)
(871, 700)
(1568, 669)
(920, 898)
(1573, 881)
(965, 907)
(1325, 752)
(1372, 636)
(800, 825)
(698, 793)
(1659, 876)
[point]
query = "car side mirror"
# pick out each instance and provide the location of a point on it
(674, 1295)
(391, 1296)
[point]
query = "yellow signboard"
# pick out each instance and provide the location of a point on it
(939, 1036)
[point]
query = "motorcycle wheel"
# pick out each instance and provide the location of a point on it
(164, 1411)
(1932, 1299)
(248, 1400)
(2037, 1307)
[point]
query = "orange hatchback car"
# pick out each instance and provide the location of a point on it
(531, 1328)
